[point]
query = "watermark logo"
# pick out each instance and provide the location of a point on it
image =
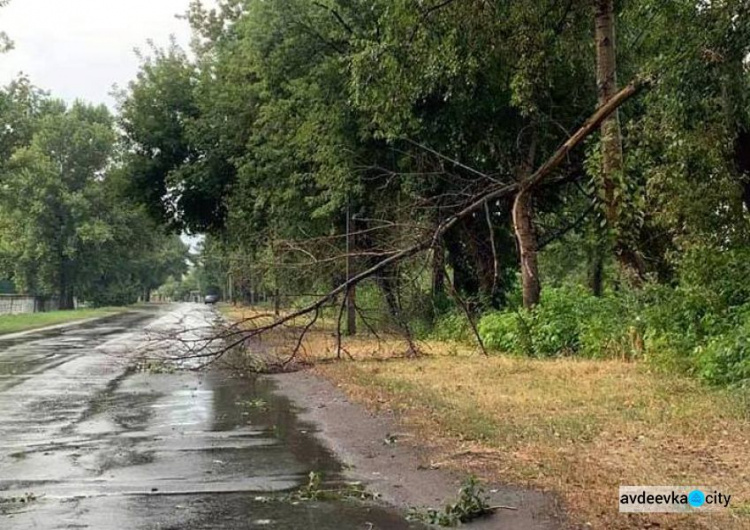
(672, 499)
(697, 498)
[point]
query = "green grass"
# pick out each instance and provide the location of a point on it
(16, 323)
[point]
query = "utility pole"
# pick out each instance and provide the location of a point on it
(276, 290)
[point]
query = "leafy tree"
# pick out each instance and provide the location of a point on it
(48, 198)
(312, 139)
(68, 229)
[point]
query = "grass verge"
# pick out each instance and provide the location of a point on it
(578, 428)
(25, 322)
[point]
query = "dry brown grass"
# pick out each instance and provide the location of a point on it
(577, 428)
(320, 342)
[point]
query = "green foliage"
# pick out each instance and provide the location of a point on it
(725, 359)
(293, 121)
(472, 504)
(611, 328)
(722, 272)
(452, 326)
(506, 331)
(67, 227)
(5, 43)
(689, 329)
(315, 490)
(566, 322)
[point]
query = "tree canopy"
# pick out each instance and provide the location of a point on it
(68, 229)
(484, 152)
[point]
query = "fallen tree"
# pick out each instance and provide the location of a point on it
(214, 347)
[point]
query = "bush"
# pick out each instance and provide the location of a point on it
(612, 328)
(562, 324)
(452, 326)
(506, 331)
(556, 321)
(725, 359)
(723, 273)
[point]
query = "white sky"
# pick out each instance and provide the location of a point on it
(81, 48)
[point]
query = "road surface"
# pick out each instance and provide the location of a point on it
(87, 441)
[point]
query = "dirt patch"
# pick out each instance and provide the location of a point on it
(377, 451)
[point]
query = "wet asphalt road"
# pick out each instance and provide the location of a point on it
(92, 443)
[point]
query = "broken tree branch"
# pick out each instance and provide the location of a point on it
(478, 202)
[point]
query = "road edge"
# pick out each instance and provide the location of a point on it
(399, 471)
(64, 325)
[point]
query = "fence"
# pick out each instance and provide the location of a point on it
(14, 304)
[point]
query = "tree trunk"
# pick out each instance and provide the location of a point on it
(742, 162)
(351, 311)
(388, 286)
(438, 269)
(611, 143)
(606, 80)
(351, 293)
(523, 224)
(596, 269)
(465, 279)
(65, 294)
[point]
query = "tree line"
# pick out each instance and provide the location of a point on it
(68, 230)
(464, 156)
(536, 167)
(289, 114)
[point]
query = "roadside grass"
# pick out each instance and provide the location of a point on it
(319, 343)
(25, 322)
(577, 428)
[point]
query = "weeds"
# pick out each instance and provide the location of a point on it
(472, 504)
(314, 491)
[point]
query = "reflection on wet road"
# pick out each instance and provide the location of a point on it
(98, 445)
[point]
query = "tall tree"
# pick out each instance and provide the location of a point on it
(612, 165)
(48, 192)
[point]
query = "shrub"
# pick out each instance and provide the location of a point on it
(506, 331)
(452, 326)
(723, 273)
(552, 328)
(725, 359)
(555, 323)
(688, 329)
(612, 328)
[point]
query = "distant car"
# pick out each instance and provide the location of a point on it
(211, 299)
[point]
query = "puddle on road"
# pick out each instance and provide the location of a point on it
(108, 449)
(28, 355)
(190, 452)
(260, 436)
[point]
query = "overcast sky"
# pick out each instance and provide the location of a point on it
(80, 48)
